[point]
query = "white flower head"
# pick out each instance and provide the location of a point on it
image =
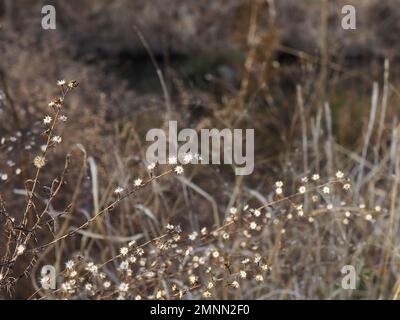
(118, 190)
(69, 264)
(124, 251)
(151, 166)
(179, 169)
(339, 174)
(39, 162)
(279, 184)
(188, 157)
(302, 189)
(47, 120)
(56, 139)
(20, 249)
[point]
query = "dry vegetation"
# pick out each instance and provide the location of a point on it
(77, 194)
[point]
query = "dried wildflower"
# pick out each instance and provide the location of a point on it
(193, 236)
(47, 119)
(124, 251)
(20, 249)
(123, 287)
(345, 221)
(72, 84)
(61, 82)
(278, 191)
(73, 274)
(253, 225)
(118, 190)
(107, 284)
(39, 162)
(368, 217)
(339, 174)
(326, 190)
(347, 186)
(279, 184)
(210, 285)
(151, 166)
(192, 279)
(187, 158)
(242, 274)
(137, 182)
(63, 118)
(235, 284)
(315, 177)
(69, 264)
(206, 294)
(56, 139)
(124, 265)
(178, 169)
(259, 278)
(131, 243)
(302, 189)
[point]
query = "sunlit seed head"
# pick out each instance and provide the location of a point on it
(39, 162)
(47, 120)
(279, 184)
(56, 139)
(151, 166)
(259, 278)
(302, 189)
(20, 249)
(339, 174)
(315, 177)
(178, 169)
(123, 251)
(118, 190)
